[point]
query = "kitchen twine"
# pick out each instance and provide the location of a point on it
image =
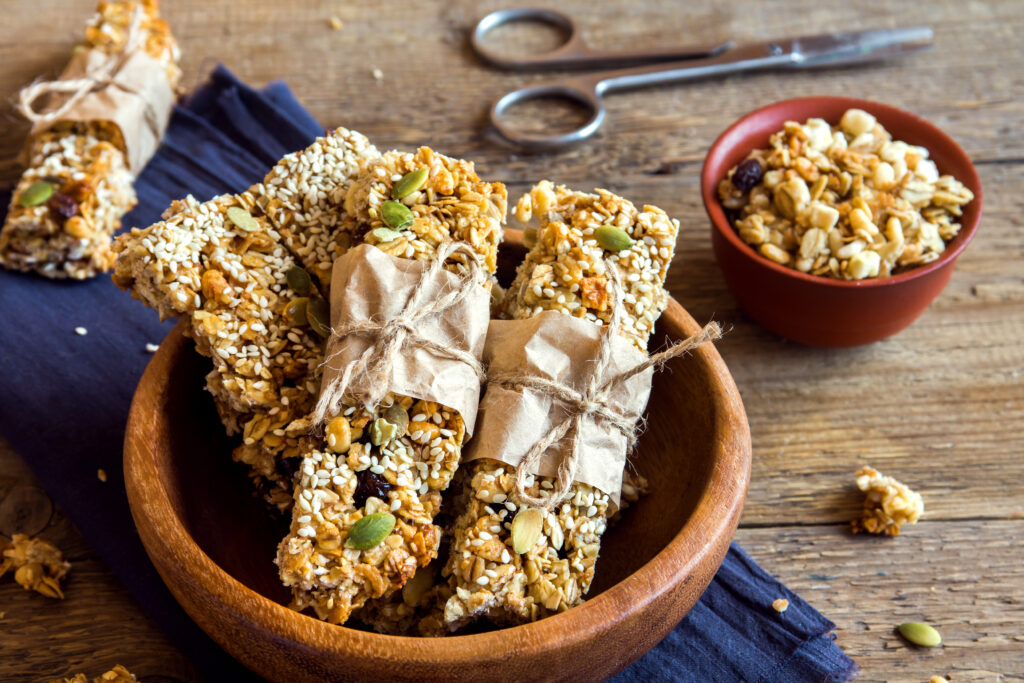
(372, 370)
(592, 402)
(97, 78)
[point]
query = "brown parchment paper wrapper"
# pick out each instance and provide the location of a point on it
(138, 101)
(367, 284)
(560, 348)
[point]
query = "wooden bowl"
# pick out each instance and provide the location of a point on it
(213, 543)
(816, 310)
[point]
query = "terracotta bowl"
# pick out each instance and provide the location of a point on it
(213, 543)
(821, 311)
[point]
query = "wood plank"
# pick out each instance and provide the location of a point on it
(962, 577)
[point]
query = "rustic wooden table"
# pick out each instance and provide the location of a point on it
(940, 405)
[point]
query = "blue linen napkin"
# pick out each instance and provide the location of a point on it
(64, 402)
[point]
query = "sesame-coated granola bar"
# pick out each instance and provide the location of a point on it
(565, 270)
(400, 457)
(69, 201)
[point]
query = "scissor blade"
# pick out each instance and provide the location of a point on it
(858, 46)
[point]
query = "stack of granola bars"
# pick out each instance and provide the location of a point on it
(379, 534)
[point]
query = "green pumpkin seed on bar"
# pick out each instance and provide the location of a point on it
(613, 238)
(920, 634)
(370, 530)
(385, 234)
(318, 312)
(295, 311)
(530, 237)
(242, 219)
(299, 280)
(399, 417)
(396, 214)
(35, 194)
(409, 183)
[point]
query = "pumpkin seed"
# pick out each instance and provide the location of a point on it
(299, 280)
(409, 183)
(319, 315)
(297, 311)
(385, 234)
(382, 432)
(526, 528)
(242, 219)
(613, 238)
(529, 237)
(399, 417)
(370, 530)
(35, 194)
(920, 634)
(396, 214)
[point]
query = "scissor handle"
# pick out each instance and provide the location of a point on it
(581, 90)
(572, 49)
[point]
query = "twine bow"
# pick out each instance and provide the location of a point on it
(95, 78)
(593, 402)
(372, 371)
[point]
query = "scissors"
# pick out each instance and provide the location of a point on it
(652, 67)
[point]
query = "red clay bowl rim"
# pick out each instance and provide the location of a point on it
(547, 636)
(708, 187)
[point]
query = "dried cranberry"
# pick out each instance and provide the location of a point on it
(370, 484)
(62, 206)
(747, 174)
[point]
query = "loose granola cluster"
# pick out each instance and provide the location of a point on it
(403, 454)
(888, 504)
(118, 674)
(38, 565)
(69, 201)
(566, 271)
(845, 202)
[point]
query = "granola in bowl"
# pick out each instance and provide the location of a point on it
(844, 202)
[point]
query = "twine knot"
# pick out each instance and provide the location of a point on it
(368, 377)
(592, 402)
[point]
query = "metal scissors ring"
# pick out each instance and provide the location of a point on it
(652, 67)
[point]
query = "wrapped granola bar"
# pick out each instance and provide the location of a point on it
(567, 270)
(116, 95)
(384, 462)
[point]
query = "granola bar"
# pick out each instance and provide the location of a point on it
(564, 271)
(38, 565)
(399, 457)
(888, 504)
(845, 201)
(69, 201)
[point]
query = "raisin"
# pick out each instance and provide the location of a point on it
(370, 484)
(747, 174)
(62, 206)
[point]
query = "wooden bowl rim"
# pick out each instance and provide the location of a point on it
(629, 596)
(927, 131)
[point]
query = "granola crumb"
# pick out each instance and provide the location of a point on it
(38, 565)
(119, 674)
(152, 348)
(378, 75)
(887, 505)
(335, 23)
(101, 474)
(81, 331)
(938, 679)
(780, 605)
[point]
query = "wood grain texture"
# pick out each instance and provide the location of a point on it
(940, 405)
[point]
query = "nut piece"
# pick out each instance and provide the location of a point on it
(780, 605)
(383, 432)
(242, 219)
(339, 434)
(887, 505)
(526, 528)
(920, 634)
